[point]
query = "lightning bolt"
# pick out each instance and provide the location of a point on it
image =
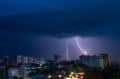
(78, 45)
(67, 51)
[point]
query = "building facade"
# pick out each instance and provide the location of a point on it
(89, 60)
(104, 60)
(19, 59)
(57, 58)
(26, 60)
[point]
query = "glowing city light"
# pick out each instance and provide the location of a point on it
(59, 76)
(49, 76)
(67, 78)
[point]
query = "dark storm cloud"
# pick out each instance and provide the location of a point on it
(64, 18)
(46, 24)
(3, 5)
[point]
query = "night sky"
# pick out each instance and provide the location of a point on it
(43, 27)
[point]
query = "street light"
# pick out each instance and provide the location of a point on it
(49, 76)
(59, 76)
(67, 78)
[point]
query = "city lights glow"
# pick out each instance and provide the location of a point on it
(49, 76)
(68, 78)
(59, 76)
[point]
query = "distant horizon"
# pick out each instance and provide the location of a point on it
(53, 57)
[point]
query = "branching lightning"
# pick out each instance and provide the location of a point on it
(78, 45)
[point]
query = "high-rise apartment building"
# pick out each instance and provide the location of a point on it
(104, 60)
(19, 59)
(6, 61)
(89, 60)
(57, 58)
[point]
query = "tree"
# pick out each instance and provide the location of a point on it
(77, 70)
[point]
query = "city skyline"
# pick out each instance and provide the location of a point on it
(43, 27)
(73, 50)
(59, 39)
